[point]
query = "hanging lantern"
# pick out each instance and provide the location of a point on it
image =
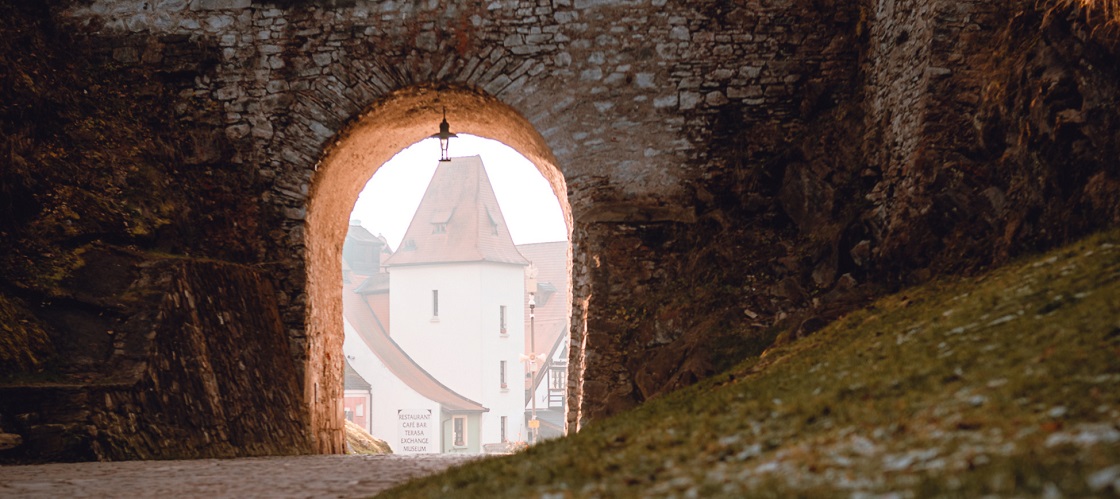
(444, 137)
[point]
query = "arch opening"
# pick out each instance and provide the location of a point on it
(496, 222)
(354, 155)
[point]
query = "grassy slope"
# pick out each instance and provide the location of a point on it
(1007, 383)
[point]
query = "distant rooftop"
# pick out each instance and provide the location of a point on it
(458, 220)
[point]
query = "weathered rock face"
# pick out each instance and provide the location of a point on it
(990, 148)
(731, 171)
(158, 359)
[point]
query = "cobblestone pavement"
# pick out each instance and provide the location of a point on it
(274, 477)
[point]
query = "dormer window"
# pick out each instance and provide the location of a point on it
(439, 221)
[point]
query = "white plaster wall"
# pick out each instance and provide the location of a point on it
(503, 285)
(389, 394)
(463, 347)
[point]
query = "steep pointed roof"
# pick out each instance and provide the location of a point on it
(458, 220)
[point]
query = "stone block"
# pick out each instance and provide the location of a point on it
(263, 131)
(715, 98)
(236, 132)
(689, 100)
(220, 4)
(321, 58)
(320, 130)
(665, 102)
(227, 93)
(645, 80)
(171, 5)
(592, 74)
(218, 23)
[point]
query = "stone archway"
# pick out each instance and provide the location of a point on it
(351, 158)
(662, 115)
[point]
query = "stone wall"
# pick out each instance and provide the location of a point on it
(967, 97)
(926, 59)
(629, 99)
(182, 359)
(733, 173)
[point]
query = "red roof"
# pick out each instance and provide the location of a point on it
(458, 220)
(372, 331)
(552, 311)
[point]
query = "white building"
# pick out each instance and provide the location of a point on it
(456, 298)
(412, 411)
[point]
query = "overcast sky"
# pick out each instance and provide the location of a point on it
(390, 198)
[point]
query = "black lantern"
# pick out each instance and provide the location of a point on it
(444, 137)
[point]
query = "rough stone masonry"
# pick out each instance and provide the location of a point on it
(729, 169)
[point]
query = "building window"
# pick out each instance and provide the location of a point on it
(459, 431)
(504, 421)
(502, 319)
(435, 303)
(558, 379)
(439, 228)
(502, 368)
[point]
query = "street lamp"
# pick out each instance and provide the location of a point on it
(534, 424)
(444, 137)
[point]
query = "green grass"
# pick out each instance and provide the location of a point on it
(1005, 384)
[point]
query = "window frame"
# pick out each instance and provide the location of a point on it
(459, 437)
(502, 372)
(503, 323)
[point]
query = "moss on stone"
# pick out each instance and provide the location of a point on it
(1005, 384)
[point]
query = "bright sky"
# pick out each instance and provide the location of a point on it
(390, 198)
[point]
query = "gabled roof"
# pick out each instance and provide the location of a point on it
(372, 331)
(552, 311)
(458, 220)
(376, 283)
(351, 379)
(357, 232)
(362, 251)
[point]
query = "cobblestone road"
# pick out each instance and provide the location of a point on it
(273, 477)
